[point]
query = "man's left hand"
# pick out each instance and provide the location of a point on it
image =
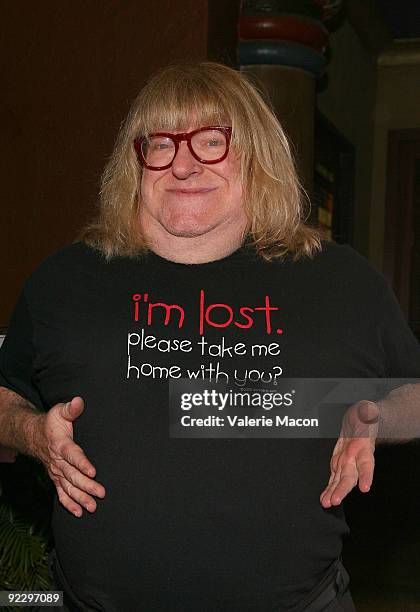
(353, 460)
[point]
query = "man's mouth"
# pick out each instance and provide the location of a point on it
(191, 192)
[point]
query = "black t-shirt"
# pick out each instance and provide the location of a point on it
(197, 524)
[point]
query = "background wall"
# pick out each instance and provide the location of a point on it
(368, 95)
(69, 71)
(397, 107)
(349, 103)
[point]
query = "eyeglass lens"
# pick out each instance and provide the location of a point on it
(208, 145)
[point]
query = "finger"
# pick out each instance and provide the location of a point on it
(70, 495)
(336, 464)
(368, 412)
(335, 495)
(325, 497)
(337, 453)
(82, 498)
(68, 503)
(73, 454)
(347, 481)
(343, 488)
(365, 467)
(72, 410)
(81, 481)
(341, 483)
(333, 476)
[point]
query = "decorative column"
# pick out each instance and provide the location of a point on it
(283, 43)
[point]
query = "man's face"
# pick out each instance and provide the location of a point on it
(191, 199)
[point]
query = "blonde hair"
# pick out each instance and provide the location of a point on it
(276, 205)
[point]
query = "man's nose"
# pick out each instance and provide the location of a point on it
(184, 163)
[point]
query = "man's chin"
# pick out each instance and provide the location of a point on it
(187, 232)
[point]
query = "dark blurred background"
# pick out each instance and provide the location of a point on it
(69, 71)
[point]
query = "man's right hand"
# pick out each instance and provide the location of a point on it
(66, 463)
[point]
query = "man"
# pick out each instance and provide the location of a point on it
(200, 242)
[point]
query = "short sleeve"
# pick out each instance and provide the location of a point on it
(401, 347)
(17, 356)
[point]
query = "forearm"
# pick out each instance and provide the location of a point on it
(18, 419)
(399, 416)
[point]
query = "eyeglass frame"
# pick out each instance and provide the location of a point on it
(177, 139)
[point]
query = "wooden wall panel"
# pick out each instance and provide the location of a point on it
(69, 71)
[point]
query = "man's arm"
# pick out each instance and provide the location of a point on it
(49, 438)
(399, 415)
(394, 419)
(18, 419)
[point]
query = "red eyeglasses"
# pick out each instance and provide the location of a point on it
(208, 145)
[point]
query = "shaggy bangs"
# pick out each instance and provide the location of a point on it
(177, 110)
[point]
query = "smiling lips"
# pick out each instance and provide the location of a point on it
(190, 192)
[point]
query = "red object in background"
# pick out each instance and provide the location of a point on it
(308, 32)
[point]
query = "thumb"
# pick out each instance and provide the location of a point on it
(368, 412)
(73, 409)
